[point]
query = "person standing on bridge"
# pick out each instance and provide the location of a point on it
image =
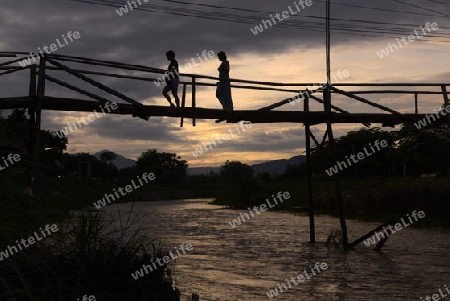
(223, 91)
(172, 79)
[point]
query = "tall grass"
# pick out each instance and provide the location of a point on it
(91, 254)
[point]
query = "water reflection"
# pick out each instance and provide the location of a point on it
(247, 262)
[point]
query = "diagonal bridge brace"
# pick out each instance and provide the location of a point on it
(138, 105)
(363, 100)
(301, 95)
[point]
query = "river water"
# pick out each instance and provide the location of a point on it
(246, 262)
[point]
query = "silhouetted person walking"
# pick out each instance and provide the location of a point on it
(172, 79)
(223, 91)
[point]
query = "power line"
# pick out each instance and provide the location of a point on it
(381, 9)
(436, 1)
(420, 7)
(342, 26)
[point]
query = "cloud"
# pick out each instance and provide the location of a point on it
(291, 51)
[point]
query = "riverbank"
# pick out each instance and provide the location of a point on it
(374, 199)
(84, 256)
(371, 199)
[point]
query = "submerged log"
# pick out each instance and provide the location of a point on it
(371, 233)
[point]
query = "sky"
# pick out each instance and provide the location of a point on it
(290, 51)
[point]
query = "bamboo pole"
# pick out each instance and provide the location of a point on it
(339, 199)
(311, 135)
(364, 237)
(363, 100)
(76, 89)
(183, 103)
(389, 84)
(10, 71)
(193, 99)
(446, 102)
(445, 94)
(254, 116)
(100, 86)
(14, 68)
(394, 92)
(11, 62)
(327, 102)
(312, 229)
(147, 79)
(31, 125)
(416, 103)
(113, 64)
(37, 126)
(95, 83)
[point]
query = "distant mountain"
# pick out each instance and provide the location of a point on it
(275, 167)
(120, 162)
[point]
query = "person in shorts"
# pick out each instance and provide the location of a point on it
(172, 79)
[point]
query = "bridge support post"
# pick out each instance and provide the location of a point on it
(193, 100)
(339, 199)
(36, 147)
(446, 101)
(31, 125)
(416, 103)
(183, 104)
(312, 228)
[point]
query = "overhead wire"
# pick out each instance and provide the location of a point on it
(341, 25)
(420, 7)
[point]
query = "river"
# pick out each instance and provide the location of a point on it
(246, 262)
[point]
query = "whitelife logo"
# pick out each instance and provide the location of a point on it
(361, 156)
(411, 38)
(437, 297)
(131, 4)
(146, 269)
(281, 17)
(281, 288)
(244, 217)
(11, 250)
(129, 188)
(385, 233)
(429, 118)
(186, 67)
(53, 47)
(342, 74)
(10, 160)
(73, 127)
(243, 126)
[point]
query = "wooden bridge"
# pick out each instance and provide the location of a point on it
(54, 63)
(51, 66)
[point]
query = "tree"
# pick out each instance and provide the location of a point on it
(52, 147)
(241, 175)
(84, 164)
(424, 150)
(15, 131)
(296, 170)
(167, 167)
(379, 162)
(108, 157)
(236, 172)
